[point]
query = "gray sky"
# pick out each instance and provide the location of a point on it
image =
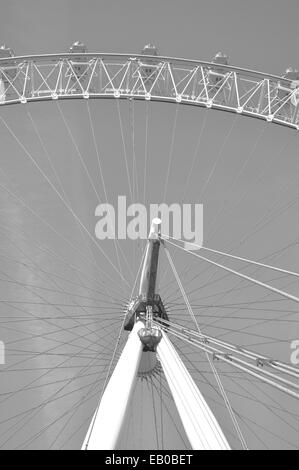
(260, 35)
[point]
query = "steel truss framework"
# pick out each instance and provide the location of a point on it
(63, 76)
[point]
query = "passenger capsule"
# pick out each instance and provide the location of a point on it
(78, 48)
(284, 89)
(6, 52)
(291, 74)
(79, 63)
(220, 58)
(216, 74)
(149, 65)
(149, 49)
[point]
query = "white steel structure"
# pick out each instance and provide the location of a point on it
(148, 349)
(166, 79)
(201, 426)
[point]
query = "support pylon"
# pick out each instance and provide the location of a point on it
(201, 426)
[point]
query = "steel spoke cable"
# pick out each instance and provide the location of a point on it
(77, 249)
(57, 307)
(43, 145)
(55, 382)
(263, 223)
(95, 142)
(206, 381)
(244, 276)
(113, 356)
(135, 171)
(245, 419)
(238, 317)
(134, 159)
(240, 286)
(37, 409)
(154, 412)
(43, 353)
(81, 158)
(207, 339)
(58, 330)
(161, 413)
(245, 332)
(48, 304)
(250, 234)
(48, 275)
(59, 258)
(71, 417)
(86, 169)
(213, 368)
(240, 172)
(253, 232)
(268, 217)
(218, 158)
(261, 322)
(259, 301)
(49, 289)
(47, 401)
(75, 216)
(164, 387)
(165, 407)
(242, 365)
(124, 150)
(259, 176)
(171, 152)
(228, 291)
(215, 388)
(68, 394)
(77, 270)
(239, 366)
(239, 258)
(195, 156)
(145, 151)
(79, 403)
(208, 282)
(77, 428)
(242, 351)
(248, 303)
(272, 409)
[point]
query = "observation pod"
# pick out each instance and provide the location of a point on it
(79, 63)
(291, 74)
(217, 74)
(78, 48)
(6, 52)
(7, 78)
(149, 67)
(287, 98)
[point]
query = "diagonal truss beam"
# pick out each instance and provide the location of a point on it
(197, 83)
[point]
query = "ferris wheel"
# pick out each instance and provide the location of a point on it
(115, 344)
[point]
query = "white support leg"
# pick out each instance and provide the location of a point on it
(201, 426)
(107, 422)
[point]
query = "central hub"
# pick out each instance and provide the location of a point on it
(137, 310)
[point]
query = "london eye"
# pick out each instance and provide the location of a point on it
(147, 343)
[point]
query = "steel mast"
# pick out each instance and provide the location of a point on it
(145, 314)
